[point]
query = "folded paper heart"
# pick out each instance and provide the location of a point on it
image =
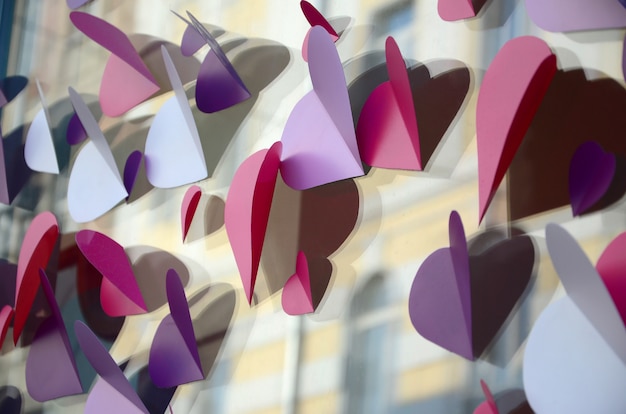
(119, 294)
(192, 40)
(297, 298)
(590, 174)
(452, 10)
(511, 92)
(174, 162)
(39, 150)
(247, 211)
(37, 246)
(131, 170)
(51, 370)
(315, 18)
(319, 141)
(460, 302)
(126, 81)
(112, 392)
(489, 405)
(10, 87)
(574, 338)
(387, 131)
(174, 358)
(611, 267)
(188, 208)
(575, 15)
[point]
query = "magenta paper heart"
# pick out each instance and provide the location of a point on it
(50, 367)
(387, 129)
(574, 15)
(188, 208)
(6, 316)
(452, 10)
(590, 174)
(119, 294)
(126, 81)
(247, 211)
(489, 405)
(612, 269)
(297, 298)
(174, 358)
(315, 18)
(37, 246)
(319, 142)
(511, 92)
(112, 392)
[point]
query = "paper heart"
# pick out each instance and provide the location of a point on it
(74, 4)
(624, 52)
(219, 85)
(174, 358)
(192, 40)
(387, 131)
(126, 81)
(611, 267)
(37, 246)
(587, 325)
(119, 294)
(574, 15)
(75, 133)
(489, 405)
(6, 316)
(319, 142)
(247, 211)
(131, 170)
(590, 174)
(39, 150)
(452, 10)
(622, 2)
(14, 173)
(174, 162)
(188, 207)
(315, 18)
(10, 87)
(296, 297)
(50, 367)
(112, 392)
(460, 302)
(511, 92)
(10, 400)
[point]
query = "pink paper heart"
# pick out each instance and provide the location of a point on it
(247, 211)
(319, 142)
(297, 298)
(387, 130)
(452, 10)
(511, 92)
(126, 80)
(188, 208)
(590, 174)
(612, 269)
(119, 294)
(489, 405)
(37, 246)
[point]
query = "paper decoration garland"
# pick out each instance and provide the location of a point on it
(247, 211)
(590, 175)
(95, 185)
(173, 151)
(571, 15)
(37, 246)
(387, 131)
(188, 208)
(119, 294)
(50, 367)
(319, 142)
(511, 93)
(174, 358)
(39, 150)
(126, 81)
(297, 298)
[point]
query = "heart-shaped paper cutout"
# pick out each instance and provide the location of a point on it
(219, 85)
(74, 4)
(319, 141)
(131, 170)
(623, 3)
(119, 294)
(315, 18)
(192, 40)
(75, 133)
(10, 87)
(387, 130)
(574, 338)
(50, 367)
(174, 162)
(188, 207)
(247, 211)
(174, 358)
(511, 92)
(453, 10)
(39, 150)
(37, 246)
(6, 316)
(10, 400)
(95, 185)
(126, 81)
(489, 405)
(590, 174)
(612, 269)
(574, 15)
(297, 298)
(112, 392)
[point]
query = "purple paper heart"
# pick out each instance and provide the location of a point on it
(174, 358)
(131, 170)
(590, 174)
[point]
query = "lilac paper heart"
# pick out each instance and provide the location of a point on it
(174, 358)
(590, 174)
(575, 15)
(319, 142)
(440, 298)
(50, 367)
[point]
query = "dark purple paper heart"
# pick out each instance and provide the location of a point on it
(75, 133)
(10, 400)
(590, 174)
(10, 87)
(622, 2)
(131, 170)
(50, 367)
(174, 358)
